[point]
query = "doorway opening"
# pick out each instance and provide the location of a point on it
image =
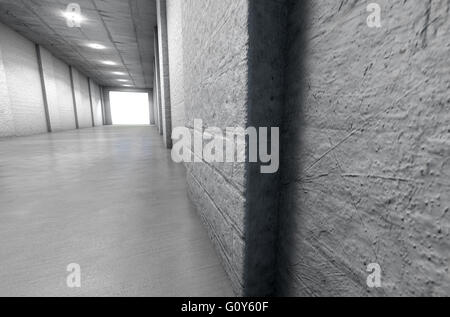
(129, 108)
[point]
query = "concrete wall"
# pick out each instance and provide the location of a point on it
(233, 75)
(163, 72)
(21, 106)
(81, 87)
(6, 119)
(157, 86)
(59, 92)
(367, 159)
(107, 106)
(175, 48)
(96, 104)
(215, 46)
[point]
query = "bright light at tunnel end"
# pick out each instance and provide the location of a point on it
(129, 108)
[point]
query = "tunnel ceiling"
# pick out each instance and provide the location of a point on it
(124, 27)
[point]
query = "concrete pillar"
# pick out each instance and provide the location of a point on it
(90, 101)
(158, 84)
(44, 90)
(151, 107)
(7, 127)
(175, 44)
(102, 100)
(107, 107)
(238, 202)
(74, 97)
(155, 98)
(164, 72)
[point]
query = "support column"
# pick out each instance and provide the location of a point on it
(7, 126)
(164, 72)
(102, 100)
(44, 89)
(107, 106)
(90, 102)
(158, 84)
(151, 107)
(74, 97)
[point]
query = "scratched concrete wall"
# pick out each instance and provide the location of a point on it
(367, 150)
(233, 78)
(215, 46)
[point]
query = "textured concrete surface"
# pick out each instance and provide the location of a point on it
(20, 85)
(216, 92)
(109, 199)
(163, 72)
(59, 92)
(22, 110)
(175, 49)
(366, 174)
(157, 84)
(234, 77)
(6, 119)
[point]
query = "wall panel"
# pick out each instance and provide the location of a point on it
(23, 81)
(81, 87)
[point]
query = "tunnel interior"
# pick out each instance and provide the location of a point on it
(97, 97)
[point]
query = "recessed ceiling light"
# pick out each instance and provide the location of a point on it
(127, 85)
(96, 46)
(110, 63)
(73, 18)
(119, 73)
(123, 80)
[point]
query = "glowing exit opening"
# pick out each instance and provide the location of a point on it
(129, 108)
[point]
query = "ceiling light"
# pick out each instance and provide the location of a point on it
(73, 15)
(110, 63)
(123, 80)
(96, 46)
(119, 73)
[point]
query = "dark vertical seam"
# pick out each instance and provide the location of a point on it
(43, 87)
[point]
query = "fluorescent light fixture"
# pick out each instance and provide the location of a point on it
(73, 18)
(119, 73)
(109, 63)
(96, 46)
(123, 80)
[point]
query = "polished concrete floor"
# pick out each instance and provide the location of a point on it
(109, 199)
